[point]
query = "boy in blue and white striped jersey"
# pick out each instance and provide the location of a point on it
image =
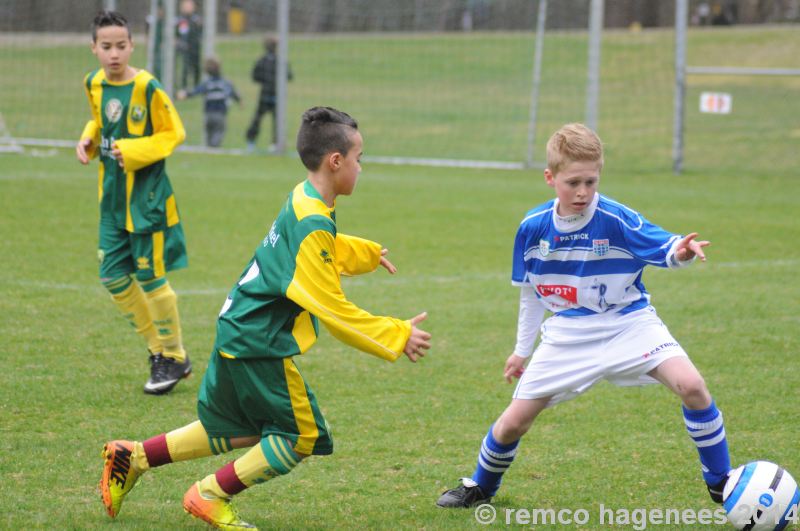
(581, 256)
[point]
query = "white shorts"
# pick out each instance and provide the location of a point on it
(576, 353)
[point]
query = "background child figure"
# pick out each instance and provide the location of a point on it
(265, 73)
(189, 34)
(252, 394)
(135, 126)
(581, 257)
(217, 92)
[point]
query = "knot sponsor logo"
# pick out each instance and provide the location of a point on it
(568, 293)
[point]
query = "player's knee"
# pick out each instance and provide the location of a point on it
(511, 428)
(693, 390)
(155, 287)
(279, 454)
(117, 285)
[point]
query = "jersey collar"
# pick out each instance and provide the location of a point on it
(575, 221)
(312, 192)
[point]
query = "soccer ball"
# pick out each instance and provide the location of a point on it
(761, 496)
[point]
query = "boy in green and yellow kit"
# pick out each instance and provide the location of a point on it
(253, 395)
(134, 127)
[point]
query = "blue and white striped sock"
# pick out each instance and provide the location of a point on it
(493, 460)
(706, 429)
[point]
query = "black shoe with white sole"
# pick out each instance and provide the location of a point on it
(468, 494)
(165, 373)
(715, 491)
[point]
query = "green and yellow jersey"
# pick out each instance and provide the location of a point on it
(139, 117)
(293, 282)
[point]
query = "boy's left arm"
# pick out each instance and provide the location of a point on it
(168, 133)
(356, 256)
(656, 246)
(316, 288)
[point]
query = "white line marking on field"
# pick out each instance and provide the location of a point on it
(383, 279)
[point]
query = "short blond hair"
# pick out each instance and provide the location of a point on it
(573, 143)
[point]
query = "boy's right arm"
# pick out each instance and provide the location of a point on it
(316, 287)
(531, 314)
(86, 148)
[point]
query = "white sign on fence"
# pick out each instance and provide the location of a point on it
(716, 102)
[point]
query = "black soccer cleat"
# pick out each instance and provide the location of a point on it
(165, 373)
(468, 494)
(715, 491)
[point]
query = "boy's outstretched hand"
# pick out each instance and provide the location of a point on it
(80, 150)
(418, 340)
(386, 263)
(514, 367)
(688, 248)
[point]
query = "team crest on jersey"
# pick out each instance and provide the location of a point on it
(138, 113)
(113, 110)
(600, 247)
(544, 247)
(142, 263)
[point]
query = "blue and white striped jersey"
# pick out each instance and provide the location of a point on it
(217, 92)
(590, 263)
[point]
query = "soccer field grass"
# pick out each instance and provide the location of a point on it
(73, 370)
(467, 95)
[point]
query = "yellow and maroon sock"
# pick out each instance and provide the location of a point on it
(271, 458)
(188, 442)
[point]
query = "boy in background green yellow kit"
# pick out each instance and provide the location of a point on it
(134, 127)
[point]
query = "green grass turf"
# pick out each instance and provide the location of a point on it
(73, 370)
(467, 96)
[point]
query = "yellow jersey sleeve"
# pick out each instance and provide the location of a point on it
(92, 130)
(93, 126)
(316, 288)
(168, 133)
(356, 256)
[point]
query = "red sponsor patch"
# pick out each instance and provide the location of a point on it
(568, 293)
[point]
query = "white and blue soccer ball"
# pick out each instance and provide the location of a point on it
(761, 496)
